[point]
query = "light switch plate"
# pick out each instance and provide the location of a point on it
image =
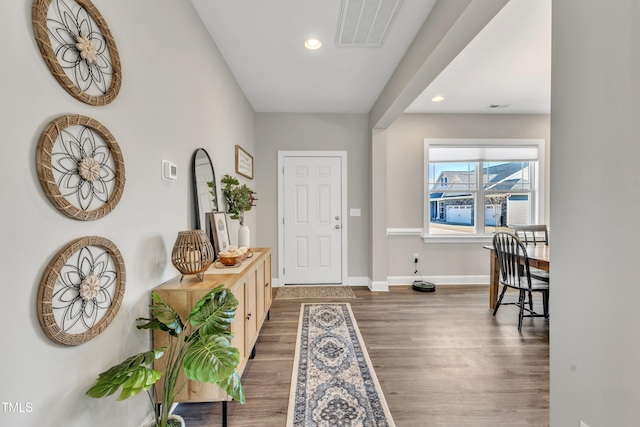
(354, 212)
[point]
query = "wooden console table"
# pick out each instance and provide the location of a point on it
(251, 284)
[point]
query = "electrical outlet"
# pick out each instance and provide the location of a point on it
(415, 257)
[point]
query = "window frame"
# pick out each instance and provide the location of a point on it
(537, 190)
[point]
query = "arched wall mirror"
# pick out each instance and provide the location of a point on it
(205, 197)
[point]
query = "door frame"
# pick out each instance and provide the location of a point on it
(343, 214)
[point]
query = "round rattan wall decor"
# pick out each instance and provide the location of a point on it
(78, 48)
(81, 291)
(80, 167)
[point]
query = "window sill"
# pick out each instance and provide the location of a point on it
(439, 238)
(405, 232)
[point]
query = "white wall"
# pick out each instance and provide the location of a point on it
(315, 132)
(405, 176)
(177, 95)
(594, 340)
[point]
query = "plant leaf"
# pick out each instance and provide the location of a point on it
(131, 374)
(153, 324)
(196, 308)
(211, 359)
(142, 379)
(233, 387)
(229, 180)
(166, 315)
(214, 312)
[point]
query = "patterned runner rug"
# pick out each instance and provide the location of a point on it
(309, 291)
(333, 382)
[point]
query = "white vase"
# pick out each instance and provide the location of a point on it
(244, 236)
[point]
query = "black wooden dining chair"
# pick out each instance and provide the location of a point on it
(512, 255)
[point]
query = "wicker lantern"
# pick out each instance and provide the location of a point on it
(192, 253)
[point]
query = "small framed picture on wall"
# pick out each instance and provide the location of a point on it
(220, 232)
(244, 163)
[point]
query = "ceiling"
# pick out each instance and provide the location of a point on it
(506, 66)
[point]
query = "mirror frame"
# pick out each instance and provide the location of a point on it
(196, 199)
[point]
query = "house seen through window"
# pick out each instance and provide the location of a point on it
(479, 189)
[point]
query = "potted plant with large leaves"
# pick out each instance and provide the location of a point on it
(199, 347)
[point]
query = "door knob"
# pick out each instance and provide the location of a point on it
(337, 227)
(337, 218)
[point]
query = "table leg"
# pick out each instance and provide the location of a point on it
(493, 280)
(224, 413)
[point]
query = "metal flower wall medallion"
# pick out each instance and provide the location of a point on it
(80, 167)
(78, 47)
(82, 290)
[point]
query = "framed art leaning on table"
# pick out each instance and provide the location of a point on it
(219, 231)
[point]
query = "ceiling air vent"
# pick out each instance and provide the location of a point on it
(499, 106)
(366, 22)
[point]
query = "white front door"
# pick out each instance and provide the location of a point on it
(312, 220)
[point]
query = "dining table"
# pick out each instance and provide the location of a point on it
(538, 258)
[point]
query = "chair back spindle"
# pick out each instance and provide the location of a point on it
(532, 234)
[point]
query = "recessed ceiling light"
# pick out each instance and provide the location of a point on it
(438, 98)
(312, 44)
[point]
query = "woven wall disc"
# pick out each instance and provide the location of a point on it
(80, 167)
(82, 290)
(78, 48)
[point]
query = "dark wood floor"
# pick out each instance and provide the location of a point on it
(441, 358)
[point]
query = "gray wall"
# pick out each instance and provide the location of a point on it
(315, 132)
(405, 176)
(595, 345)
(177, 94)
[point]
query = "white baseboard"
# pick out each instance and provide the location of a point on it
(357, 281)
(440, 280)
(379, 286)
(351, 281)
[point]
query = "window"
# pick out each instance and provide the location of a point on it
(476, 187)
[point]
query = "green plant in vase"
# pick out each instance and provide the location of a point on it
(200, 348)
(239, 197)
